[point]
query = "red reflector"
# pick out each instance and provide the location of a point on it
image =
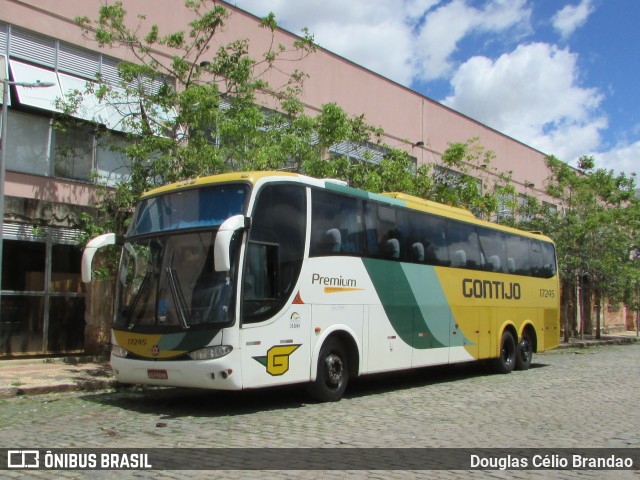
(157, 374)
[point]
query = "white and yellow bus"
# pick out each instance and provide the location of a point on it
(255, 279)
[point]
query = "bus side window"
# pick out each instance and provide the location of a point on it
(537, 262)
(549, 259)
(518, 259)
(275, 250)
(386, 232)
(337, 226)
(428, 237)
(494, 249)
(463, 245)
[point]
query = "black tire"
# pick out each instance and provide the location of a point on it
(333, 372)
(506, 360)
(524, 352)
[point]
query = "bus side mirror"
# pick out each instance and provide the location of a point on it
(221, 253)
(90, 250)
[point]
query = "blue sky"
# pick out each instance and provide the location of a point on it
(560, 75)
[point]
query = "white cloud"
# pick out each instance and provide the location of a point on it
(404, 40)
(446, 26)
(531, 94)
(375, 34)
(439, 36)
(622, 158)
(571, 17)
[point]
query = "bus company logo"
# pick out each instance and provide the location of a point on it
(277, 359)
(155, 350)
(474, 288)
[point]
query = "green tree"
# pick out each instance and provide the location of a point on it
(594, 231)
(190, 110)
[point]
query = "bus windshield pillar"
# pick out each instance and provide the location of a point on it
(221, 254)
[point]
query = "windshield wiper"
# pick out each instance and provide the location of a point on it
(178, 298)
(132, 306)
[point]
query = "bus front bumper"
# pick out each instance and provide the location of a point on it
(219, 374)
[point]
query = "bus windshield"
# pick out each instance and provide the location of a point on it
(170, 281)
(189, 208)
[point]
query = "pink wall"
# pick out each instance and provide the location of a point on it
(48, 189)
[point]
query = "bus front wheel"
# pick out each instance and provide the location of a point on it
(333, 372)
(506, 360)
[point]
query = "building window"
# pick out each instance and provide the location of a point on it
(550, 207)
(505, 206)
(112, 165)
(32, 141)
(28, 141)
(73, 153)
(525, 202)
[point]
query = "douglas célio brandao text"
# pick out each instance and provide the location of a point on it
(551, 461)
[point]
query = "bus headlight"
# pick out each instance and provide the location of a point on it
(118, 351)
(209, 353)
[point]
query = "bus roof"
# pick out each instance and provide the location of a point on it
(393, 198)
(420, 204)
(251, 177)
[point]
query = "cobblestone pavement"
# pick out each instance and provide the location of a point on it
(568, 399)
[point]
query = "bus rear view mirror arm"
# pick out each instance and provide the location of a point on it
(90, 250)
(221, 253)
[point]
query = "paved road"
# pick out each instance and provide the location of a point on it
(569, 398)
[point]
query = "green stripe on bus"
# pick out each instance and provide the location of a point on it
(408, 293)
(363, 194)
(432, 301)
(187, 341)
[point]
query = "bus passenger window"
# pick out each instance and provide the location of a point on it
(542, 259)
(537, 262)
(518, 259)
(494, 248)
(337, 226)
(428, 239)
(463, 245)
(387, 232)
(549, 258)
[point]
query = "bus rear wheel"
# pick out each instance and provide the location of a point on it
(506, 360)
(333, 372)
(524, 352)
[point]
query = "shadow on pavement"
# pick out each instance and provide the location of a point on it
(170, 403)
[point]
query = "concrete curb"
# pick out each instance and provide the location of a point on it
(85, 386)
(592, 342)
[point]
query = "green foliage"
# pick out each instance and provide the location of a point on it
(205, 117)
(595, 228)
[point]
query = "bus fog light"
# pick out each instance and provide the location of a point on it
(118, 351)
(210, 353)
